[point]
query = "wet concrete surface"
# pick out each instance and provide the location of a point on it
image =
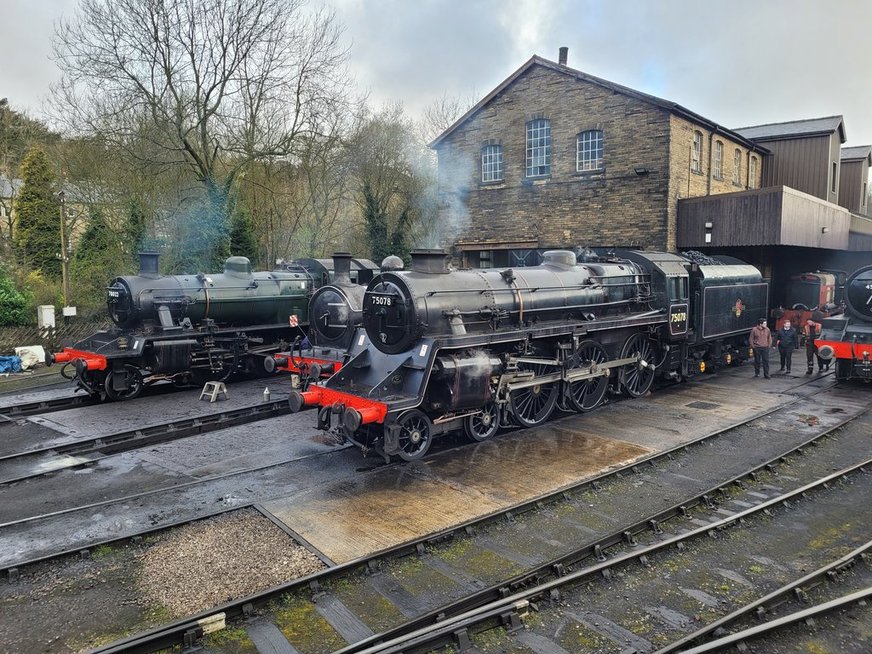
(326, 490)
(352, 518)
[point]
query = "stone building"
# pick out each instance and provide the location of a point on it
(554, 157)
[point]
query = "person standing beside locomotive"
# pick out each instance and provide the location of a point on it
(810, 333)
(787, 341)
(761, 341)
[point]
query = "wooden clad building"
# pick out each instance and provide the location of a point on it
(853, 187)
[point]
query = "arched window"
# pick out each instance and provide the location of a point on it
(492, 163)
(589, 150)
(696, 153)
(538, 147)
(719, 160)
(737, 167)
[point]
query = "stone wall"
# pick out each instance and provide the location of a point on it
(613, 207)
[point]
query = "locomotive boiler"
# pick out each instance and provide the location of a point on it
(187, 328)
(440, 349)
(848, 338)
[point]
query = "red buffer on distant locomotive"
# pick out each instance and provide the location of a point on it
(848, 338)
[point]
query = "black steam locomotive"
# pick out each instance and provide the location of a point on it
(335, 311)
(441, 350)
(848, 338)
(188, 329)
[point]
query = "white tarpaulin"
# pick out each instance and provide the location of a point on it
(30, 355)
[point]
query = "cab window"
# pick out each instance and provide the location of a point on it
(676, 288)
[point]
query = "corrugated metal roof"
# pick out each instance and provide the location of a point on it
(857, 152)
(808, 127)
(536, 60)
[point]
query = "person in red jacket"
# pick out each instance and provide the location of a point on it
(760, 341)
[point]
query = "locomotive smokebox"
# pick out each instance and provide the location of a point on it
(431, 261)
(342, 268)
(149, 264)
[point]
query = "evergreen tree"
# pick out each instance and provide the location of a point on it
(376, 221)
(136, 227)
(14, 305)
(38, 237)
(98, 258)
(243, 242)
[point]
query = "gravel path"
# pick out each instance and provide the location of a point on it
(207, 563)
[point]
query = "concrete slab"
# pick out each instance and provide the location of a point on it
(352, 517)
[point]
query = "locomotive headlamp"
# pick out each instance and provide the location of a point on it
(702, 366)
(728, 359)
(750, 351)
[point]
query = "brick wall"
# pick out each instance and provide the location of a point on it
(612, 207)
(615, 206)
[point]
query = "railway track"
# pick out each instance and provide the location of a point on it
(37, 462)
(425, 582)
(12, 412)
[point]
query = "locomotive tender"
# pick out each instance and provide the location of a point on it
(191, 328)
(440, 350)
(848, 338)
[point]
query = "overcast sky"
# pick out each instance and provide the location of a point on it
(738, 63)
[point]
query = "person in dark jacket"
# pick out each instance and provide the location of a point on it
(787, 341)
(760, 341)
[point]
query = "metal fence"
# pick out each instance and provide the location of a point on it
(51, 339)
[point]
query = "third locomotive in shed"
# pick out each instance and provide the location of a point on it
(441, 350)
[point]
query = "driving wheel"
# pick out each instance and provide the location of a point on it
(637, 377)
(533, 405)
(588, 394)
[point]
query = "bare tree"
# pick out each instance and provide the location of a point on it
(213, 84)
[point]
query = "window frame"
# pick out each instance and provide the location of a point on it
(537, 160)
(833, 182)
(752, 173)
(737, 167)
(584, 163)
(696, 153)
(719, 160)
(491, 160)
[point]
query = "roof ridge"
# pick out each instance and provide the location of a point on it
(788, 122)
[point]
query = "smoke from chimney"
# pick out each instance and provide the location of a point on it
(564, 55)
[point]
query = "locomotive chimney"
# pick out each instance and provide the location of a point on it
(148, 264)
(342, 268)
(433, 261)
(564, 55)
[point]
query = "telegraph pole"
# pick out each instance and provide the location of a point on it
(65, 258)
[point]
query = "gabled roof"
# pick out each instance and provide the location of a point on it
(795, 129)
(536, 60)
(858, 153)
